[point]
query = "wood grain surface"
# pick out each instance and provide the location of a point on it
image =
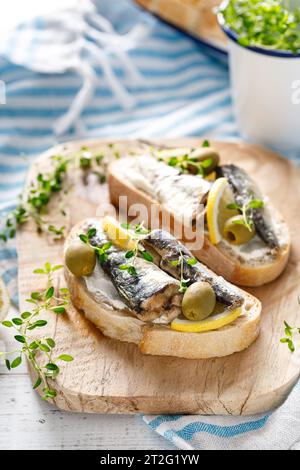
(111, 377)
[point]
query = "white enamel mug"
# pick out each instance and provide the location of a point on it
(266, 93)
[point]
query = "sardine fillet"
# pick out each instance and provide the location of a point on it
(167, 249)
(151, 294)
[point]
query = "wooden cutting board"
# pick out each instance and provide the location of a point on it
(113, 377)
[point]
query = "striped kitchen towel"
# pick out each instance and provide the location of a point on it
(157, 82)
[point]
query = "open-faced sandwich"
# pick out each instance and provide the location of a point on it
(146, 288)
(245, 238)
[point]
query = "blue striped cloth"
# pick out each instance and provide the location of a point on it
(183, 93)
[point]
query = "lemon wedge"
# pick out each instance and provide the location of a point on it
(119, 235)
(214, 322)
(4, 301)
(219, 197)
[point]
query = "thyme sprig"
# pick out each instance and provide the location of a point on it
(187, 163)
(34, 348)
(290, 332)
(130, 255)
(101, 252)
(137, 231)
(246, 211)
(180, 262)
(35, 202)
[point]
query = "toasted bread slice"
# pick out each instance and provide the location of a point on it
(223, 259)
(161, 340)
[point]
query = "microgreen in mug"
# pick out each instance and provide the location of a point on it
(34, 347)
(270, 24)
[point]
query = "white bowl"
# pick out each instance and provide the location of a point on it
(266, 93)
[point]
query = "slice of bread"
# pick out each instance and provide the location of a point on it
(223, 259)
(162, 340)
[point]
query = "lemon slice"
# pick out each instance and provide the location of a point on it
(214, 322)
(4, 301)
(219, 197)
(119, 235)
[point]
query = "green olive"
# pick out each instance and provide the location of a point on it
(80, 259)
(236, 233)
(209, 155)
(199, 301)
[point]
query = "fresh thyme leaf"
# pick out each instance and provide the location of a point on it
(132, 271)
(49, 293)
(39, 271)
(181, 262)
(289, 335)
(44, 347)
(66, 358)
(147, 256)
(51, 366)
(192, 261)
(125, 225)
(42, 301)
(37, 324)
(247, 211)
(123, 267)
(16, 362)
(106, 246)
(129, 254)
(37, 383)
(59, 310)
(83, 238)
(207, 163)
(91, 233)
(233, 206)
(256, 204)
(174, 262)
(51, 342)
(20, 339)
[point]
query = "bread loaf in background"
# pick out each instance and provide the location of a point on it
(193, 16)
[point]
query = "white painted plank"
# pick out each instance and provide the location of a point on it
(26, 422)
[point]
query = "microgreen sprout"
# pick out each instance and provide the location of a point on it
(33, 347)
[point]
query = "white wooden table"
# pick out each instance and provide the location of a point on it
(26, 422)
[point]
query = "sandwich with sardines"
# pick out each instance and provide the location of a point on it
(246, 239)
(145, 287)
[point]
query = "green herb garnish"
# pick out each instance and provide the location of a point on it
(290, 331)
(101, 251)
(247, 211)
(270, 24)
(180, 262)
(32, 347)
(34, 204)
